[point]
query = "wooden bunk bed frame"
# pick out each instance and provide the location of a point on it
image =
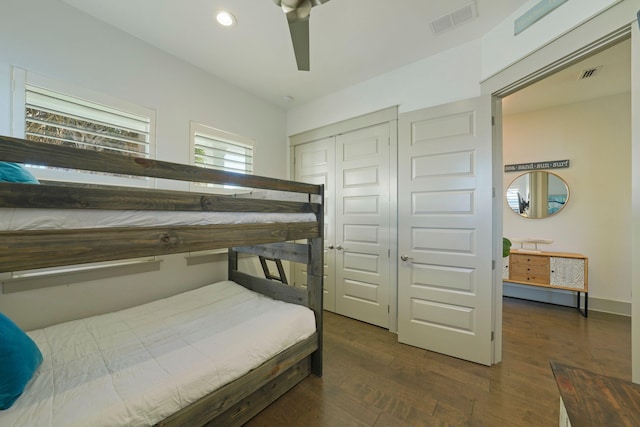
(238, 401)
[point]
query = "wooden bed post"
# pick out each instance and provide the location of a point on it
(232, 262)
(315, 286)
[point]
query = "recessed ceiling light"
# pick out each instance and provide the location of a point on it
(225, 18)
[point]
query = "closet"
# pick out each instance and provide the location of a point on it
(354, 167)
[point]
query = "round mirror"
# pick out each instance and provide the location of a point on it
(537, 194)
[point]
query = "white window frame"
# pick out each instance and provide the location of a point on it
(23, 78)
(64, 275)
(222, 136)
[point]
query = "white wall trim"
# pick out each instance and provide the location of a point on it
(359, 122)
(602, 31)
(614, 24)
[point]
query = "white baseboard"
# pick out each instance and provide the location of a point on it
(566, 298)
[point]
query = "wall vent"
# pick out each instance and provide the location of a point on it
(455, 18)
(589, 73)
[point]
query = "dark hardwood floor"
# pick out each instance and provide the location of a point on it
(372, 380)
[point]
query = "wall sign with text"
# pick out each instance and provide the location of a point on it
(552, 164)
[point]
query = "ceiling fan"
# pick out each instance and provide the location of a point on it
(298, 12)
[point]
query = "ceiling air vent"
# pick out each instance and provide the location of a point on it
(590, 72)
(455, 18)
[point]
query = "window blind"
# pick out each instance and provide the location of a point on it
(222, 154)
(60, 119)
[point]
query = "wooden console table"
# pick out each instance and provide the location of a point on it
(553, 270)
(590, 399)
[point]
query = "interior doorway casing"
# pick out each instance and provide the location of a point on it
(599, 33)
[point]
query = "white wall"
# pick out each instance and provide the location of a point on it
(442, 78)
(449, 76)
(50, 38)
(430, 82)
(418, 85)
(596, 137)
(501, 48)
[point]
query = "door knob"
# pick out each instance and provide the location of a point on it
(405, 258)
(330, 247)
(339, 247)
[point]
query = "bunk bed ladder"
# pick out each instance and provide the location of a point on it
(280, 277)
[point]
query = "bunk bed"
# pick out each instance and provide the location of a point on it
(234, 401)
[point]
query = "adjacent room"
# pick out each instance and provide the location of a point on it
(295, 212)
(581, 114)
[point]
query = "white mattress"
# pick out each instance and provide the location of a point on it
(137, 366)
(38, 219)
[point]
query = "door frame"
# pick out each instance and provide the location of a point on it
(602, 31)
(386, 115)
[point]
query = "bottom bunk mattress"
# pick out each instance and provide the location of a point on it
(137, 366)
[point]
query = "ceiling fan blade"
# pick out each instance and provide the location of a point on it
(297, 12)
(300, 37)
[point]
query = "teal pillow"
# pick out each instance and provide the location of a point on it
(13, 172)
(19, 359)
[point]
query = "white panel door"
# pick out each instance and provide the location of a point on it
(445, 281)
(362, 224)
(315, 164)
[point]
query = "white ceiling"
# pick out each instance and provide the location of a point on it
(566, 86)
(351, 40)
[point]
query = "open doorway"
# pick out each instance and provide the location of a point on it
(581, 113)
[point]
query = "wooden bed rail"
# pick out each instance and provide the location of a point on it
(311, 254)
(235, 403)
(30, 249)
(39, 153)
(124, 198)
(295, 252)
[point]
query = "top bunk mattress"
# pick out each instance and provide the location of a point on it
(46, 219)
(137, 366)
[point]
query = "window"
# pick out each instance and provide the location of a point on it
(216, 149)
(54, 112)
(513, 199)
(51, 112)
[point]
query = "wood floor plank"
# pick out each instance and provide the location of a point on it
(371, 380)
